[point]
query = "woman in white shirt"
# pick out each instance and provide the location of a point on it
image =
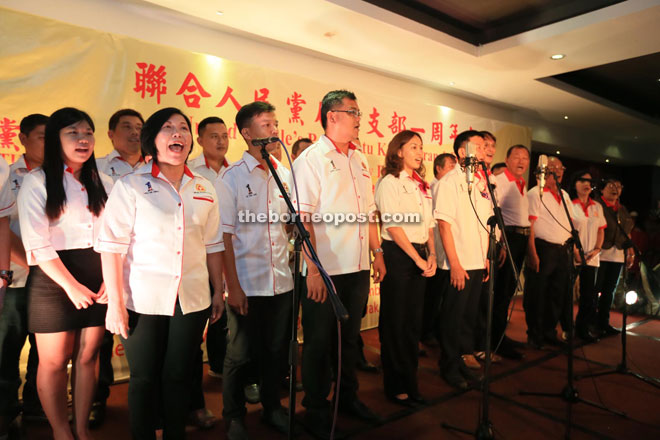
(59, 207)
(589, 220)
(408, 249)
(160, 232)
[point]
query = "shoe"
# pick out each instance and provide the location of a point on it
(507, 351)
(535, 343)
(609, 331)
(279, 420)
(564, 336)
(471, 376)
(236, 430)
(407, 402)
(97, 415)
(481, 356)
(34, 415)
(366, 366)
(513, 343)
(202, 418)
(360, 411)
(553, 341)
(252, 393)
(319, 424)
(587, 337)
(418, 399)
(471, 362)
(456, 380)
(215, 374)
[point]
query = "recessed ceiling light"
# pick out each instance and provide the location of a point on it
(558, 152)
(219, 12)
(607, 160)
(452, 83)
(565, 117)
(557, 56)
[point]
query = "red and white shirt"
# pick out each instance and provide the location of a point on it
(165, 235)
(549, 215)
(246, 191)
(332, 182)
(76, 228)
(17, 171)
(201, 166)
(588, 220)
(7, 202)
(115, 166)
(512, 198)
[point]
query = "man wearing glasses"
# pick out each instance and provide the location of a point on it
(333, 177)
(612, 256)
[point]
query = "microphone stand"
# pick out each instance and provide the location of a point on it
(569, 393)
(337, 306)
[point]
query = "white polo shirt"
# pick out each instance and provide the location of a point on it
(511, 195)
(7, 201)
(405, 195)
(165, 235)
(76, 228)
(260, 247)
(17, 171)
(453, 205)
(437, 240)
(588, 220)
(331, 182)
(546, 226)
(115, 166)
(201, 166)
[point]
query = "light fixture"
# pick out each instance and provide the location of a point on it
(557, 152)
(452, 83)
(631, 297)
(607, 160)
(565, 117)
(219, 13)
(557, 56)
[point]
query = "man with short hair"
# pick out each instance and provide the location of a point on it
(124, 129)
(13, 320)
(299, 146)
(213, 137)
(333, 177)
(259, 292)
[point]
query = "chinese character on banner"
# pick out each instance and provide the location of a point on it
(8, 131)
(192, 86)
(228, 96)
(436, 132)
(318, 115)
(150, 80)
(261, 95)
(373, 123)
(295, 101)
(454, 131)
(398, 123)
(418, 130)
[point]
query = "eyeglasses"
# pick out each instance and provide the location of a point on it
(352, 112)
(583, 179)
(615, 185)
(555, 168)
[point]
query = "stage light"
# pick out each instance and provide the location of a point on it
(565, 117)
(558, 152)
(557, 56)
(452, 83)
(631, 297)
(219, 12)
(607, 160)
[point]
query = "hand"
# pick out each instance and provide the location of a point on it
(431, 266)
(630, 258)
(237, 300)
(533, 261)
(592, 254)
(458, 276)
(316, 290)
(378, 266)
(81, 296)
(487, 274)
(217, 306)
(116, 321)
(501, 257)
(102, 295)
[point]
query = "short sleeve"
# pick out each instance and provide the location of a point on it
(213, 229)
(7, 202)
(117, 220)
(35, 226)
(602, 221)
(227, 203)
(446, 202)
(534, 204)
(309, 184)
(387, 201)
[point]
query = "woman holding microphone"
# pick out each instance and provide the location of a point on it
(159, 234)
(408, 249)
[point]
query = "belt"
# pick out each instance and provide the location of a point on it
(553, 245)
(518, 230)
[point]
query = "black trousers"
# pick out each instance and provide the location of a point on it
(432, 298)
(458, 320)
(259, 339)
(606, 281)
(400, 321)
(320, 332)
(588, 300)
(161, 352)
(546, 291)
(106, 373)
(13, 333)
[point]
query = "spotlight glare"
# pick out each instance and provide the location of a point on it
(631, 297)
(557, 56)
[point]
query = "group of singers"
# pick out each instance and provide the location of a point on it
(152, 246)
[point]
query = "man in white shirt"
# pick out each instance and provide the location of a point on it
(13, 323)
(549, 258)
(124, 129)
(259, 294)
(333, 177)
(213, 137)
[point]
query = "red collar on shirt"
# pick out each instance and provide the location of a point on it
(139, 160)
(584, 207)
(224, 162)
(614, 206)
(350, 146)
(271, 161)
(155, 170)
(554, 194)
(520, 183)
(423, 186)
(27, 165)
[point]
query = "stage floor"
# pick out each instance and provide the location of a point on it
(513, 416)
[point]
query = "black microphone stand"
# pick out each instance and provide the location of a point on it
(337, 306)
(569, 393)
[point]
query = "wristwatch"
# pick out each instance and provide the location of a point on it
(377, 251)
(7, 275)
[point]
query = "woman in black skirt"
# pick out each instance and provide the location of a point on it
(59, 206)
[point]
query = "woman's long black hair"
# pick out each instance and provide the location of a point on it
(53, 166)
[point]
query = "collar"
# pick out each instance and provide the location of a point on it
(155, 171)
(584, 207)
(614, 206)
(25, 163)
(225, 164)
(520, 183)
(67, 169)
(554, 194)
(421, 183)
(114, 154)
(253, 163)
(330, 145)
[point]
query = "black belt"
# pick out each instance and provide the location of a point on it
(419, 247)
(553, 245)
(518, 230)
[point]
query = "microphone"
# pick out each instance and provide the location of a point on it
(470, 164)
(541, 173)
(264, 141)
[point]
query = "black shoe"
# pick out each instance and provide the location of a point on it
(587, 337)
(456, 380)
(97, 415)
(535, 343)
(471, 376)
(553, 341)
(252, 393)
(513, 343)
(202, 418)
(360, 411)
(279, 420)
(418, 399)
(609, 331)
(319, 424)
(507, 351)
(236, 430)
(365, 365)
(407, 402)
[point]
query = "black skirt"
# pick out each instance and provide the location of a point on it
(49, 308)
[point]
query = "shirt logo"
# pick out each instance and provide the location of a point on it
(334, 167)
(250, 192)
(199, 187)
(150, 190)
(17, 185)
(113, 172)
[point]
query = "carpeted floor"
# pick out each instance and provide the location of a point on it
(512, 416)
